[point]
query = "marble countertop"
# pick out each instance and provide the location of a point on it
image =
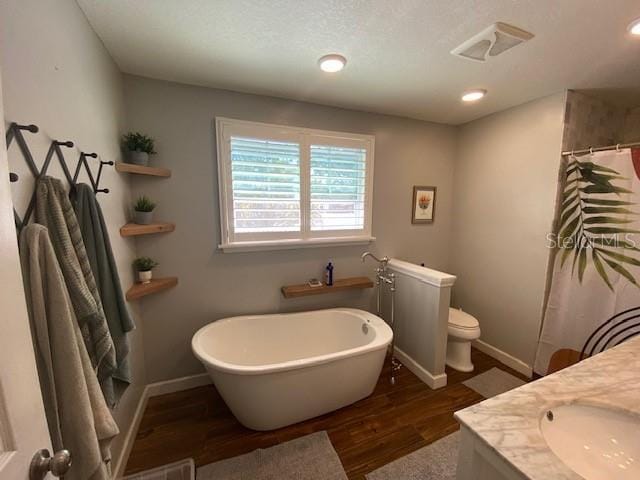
(509, 423)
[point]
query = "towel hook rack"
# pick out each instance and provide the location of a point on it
(95, 181)
(14, 132)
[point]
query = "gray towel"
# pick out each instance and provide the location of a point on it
(54, 211)
(98, 247)
(77, 414)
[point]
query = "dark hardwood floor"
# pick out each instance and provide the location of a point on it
(392, 422)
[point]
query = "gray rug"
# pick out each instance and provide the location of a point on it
(311, 457)
(437, 461)
(493, 382)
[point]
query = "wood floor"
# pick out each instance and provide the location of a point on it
(394, 421)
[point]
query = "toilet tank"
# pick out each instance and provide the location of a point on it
(422, 301)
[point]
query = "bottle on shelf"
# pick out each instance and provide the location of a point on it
(329, 274)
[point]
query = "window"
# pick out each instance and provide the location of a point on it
(288, 187)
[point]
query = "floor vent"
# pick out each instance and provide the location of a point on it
(491, 42)
(182, 470)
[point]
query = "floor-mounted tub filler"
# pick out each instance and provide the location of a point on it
(276, 370)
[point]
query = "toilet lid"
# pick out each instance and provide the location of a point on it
(462, 319)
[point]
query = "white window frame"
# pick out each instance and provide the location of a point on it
(231, 241)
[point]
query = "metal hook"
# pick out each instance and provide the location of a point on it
(30, 128)
(590, 150)
(618, 148)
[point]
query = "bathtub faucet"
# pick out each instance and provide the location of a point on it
(383, 261)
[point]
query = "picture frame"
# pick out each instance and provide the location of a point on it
(424, 205)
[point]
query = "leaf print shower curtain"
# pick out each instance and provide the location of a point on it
(594, 296)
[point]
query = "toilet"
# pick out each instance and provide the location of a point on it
(463, 328)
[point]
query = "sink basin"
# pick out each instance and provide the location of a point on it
(596, 443)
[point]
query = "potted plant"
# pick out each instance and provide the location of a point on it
(143, 210)
(144, 266)
(137, 147)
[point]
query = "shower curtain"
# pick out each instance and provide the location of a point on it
(593, 301)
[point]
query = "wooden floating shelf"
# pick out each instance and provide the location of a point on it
(133, 229)
(142, 170)
(156, 285)
(344, 284)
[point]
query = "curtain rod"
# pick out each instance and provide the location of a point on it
(601, 149)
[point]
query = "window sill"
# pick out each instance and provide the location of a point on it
(294, 244)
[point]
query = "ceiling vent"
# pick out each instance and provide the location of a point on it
(491, 42)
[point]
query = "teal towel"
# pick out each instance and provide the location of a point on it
(98, 247)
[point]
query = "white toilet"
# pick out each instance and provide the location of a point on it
(463, 328)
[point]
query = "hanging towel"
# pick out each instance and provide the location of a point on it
(54, 211)
(77, 414)
(98, 247)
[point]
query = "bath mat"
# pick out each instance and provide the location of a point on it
(311, 457)
(493, 382)
(437, 461)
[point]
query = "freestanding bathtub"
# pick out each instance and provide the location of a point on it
(275, 370)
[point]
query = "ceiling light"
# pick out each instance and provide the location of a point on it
(634, 28)
(473, 95)
(332, 63)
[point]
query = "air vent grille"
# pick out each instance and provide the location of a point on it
(491, 42)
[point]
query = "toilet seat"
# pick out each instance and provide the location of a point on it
(462, 325)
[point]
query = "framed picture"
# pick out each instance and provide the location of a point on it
(424, 205)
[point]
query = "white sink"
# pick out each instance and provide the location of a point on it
(596, 443)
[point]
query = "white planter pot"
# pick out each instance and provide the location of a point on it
(144, 277)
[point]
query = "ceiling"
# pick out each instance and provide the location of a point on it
(397, 51)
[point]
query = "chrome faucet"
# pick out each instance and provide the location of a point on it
(382, 261)
(389, 279)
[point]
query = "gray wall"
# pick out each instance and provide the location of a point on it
(505, 187)
(57, 74)
(215, 285)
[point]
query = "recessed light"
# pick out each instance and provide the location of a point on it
(473, 95)
(332, 63)
(634, 28)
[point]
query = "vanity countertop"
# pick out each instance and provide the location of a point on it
(509, 423)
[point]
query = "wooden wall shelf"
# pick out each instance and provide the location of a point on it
(344, 284)
(141, 170)
(133, 229)
(156, 285)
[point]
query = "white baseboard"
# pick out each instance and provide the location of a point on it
(509, 360)
(130, 435)
(178, 384)
(433, 381)
(153, 390)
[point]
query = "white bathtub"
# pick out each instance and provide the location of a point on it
(275, 370)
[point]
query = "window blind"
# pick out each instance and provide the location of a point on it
(338, 186)
(265, 176)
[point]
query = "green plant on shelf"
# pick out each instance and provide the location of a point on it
(144, 204)
(144, 264)
(137, 142)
